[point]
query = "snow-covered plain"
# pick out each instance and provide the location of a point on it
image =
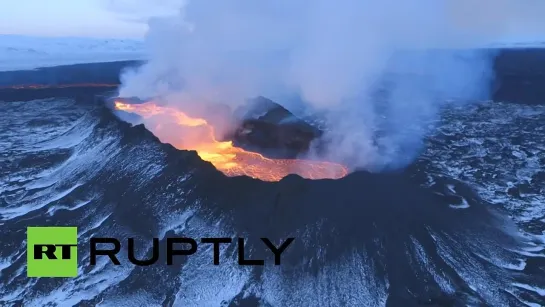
(18, 52)
(26, 52)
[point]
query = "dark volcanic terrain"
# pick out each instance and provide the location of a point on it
(464, 224)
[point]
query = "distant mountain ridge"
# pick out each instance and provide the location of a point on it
(19, 52)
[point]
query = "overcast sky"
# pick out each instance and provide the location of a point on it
(81, 18)
(128, 18)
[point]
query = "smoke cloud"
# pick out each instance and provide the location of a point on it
(379, 71)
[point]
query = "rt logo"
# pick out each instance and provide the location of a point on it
(52, 251)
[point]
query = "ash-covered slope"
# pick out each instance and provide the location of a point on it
(439, 233)
(364, 240)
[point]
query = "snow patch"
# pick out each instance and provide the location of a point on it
(27, 52)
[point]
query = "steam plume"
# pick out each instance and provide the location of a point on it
(379, 70)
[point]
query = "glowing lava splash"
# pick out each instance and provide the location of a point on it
(173, 126)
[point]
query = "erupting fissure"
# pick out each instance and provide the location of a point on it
(173, 126)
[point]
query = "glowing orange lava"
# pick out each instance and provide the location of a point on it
(184, 132)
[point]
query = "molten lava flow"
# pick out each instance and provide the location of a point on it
(185, 132)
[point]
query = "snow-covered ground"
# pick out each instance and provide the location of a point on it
(19, 52)
(27, 52)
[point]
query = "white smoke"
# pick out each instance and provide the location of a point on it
(336, 55)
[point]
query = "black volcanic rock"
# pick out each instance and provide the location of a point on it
(271, 129)
(520, 76)
(108, 72)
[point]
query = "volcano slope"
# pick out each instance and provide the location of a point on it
(451, 229)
